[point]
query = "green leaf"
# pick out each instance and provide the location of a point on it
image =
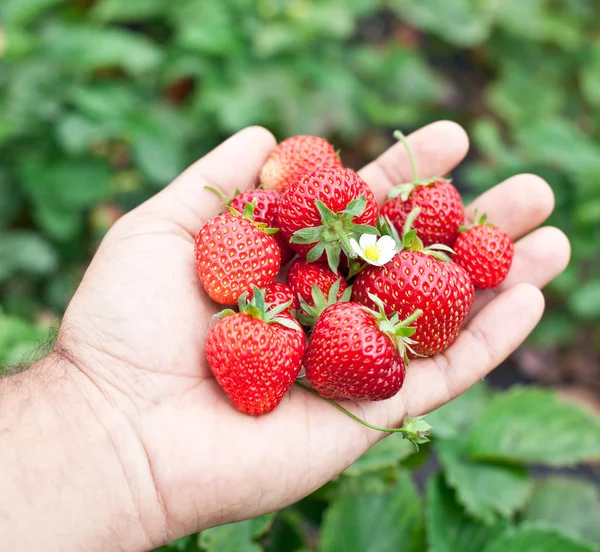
(86, 48)
(236, 537)
(132, 10)
(450, 529)
(456, 417)
(568, 503)
(159, 155)
(390, 521)
(529, 424)
(23, 252)
(559, 143)
(590, 76)
(22, 12)
(17, 338)
(66, 183)
(387, 453)
(585, 300)
(461, 22)
(487, 491)
(536, 539)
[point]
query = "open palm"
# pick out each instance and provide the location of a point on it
(137, 325)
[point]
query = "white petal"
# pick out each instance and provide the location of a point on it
(386, 244)
(357, 249)
(386, 257)
(367, 239)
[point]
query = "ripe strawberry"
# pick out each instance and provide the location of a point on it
(321, 211)
(417, 280)
(295, 156)
(233, 254)
(485, 252)
(256, 354)
(302, 276)
(357, 353)
(278, 294)
(266, 206)
(442, 211)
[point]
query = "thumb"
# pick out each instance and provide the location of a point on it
(235, 163)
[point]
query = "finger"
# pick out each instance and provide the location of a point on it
(481, 346)
(517, 205)
(236, 163)
(539, 258)
(437, 149)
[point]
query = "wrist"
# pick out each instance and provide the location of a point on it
(73, 463)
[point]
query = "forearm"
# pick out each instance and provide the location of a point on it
(65, 483)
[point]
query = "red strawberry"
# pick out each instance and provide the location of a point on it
(485, 252)
(356, 353)
(266, 206)
(441, 214)
(232, 255)
(278, 294)
(295, 156)
(256, 354)
(302, 276)
(442, 211)
(321, 210)
(417, 280)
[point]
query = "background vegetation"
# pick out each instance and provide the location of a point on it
(103, 102)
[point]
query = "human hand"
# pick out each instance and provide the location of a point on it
(136, 329)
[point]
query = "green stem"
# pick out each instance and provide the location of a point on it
(345, 242)
(348, 413)
(413, 165)
(218, 193)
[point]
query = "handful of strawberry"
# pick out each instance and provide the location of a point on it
(372, 288)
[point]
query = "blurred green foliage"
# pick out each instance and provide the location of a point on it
(105, 101)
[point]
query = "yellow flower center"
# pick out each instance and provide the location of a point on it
(372, 252)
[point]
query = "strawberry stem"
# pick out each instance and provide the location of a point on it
(413, 429)
(413, 165)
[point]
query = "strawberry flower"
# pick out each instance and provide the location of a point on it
(375, 250)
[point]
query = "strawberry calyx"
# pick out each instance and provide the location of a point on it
(308, 314)
(477, 221)
(249, 214)
(416, 430)
(412, 242)
(256, 307)
(399, 331)
(333, 236)
(248, 209)
(403, 191)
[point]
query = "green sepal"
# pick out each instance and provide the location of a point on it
(249, 214)
(416, 430)
(224, 313)
(477, 221)
(335, 232)
(387, 228)
(399, 331)
(307, 235)
(308, 314)
(410, 221)
(315, 253)
(259, 309)
(402, 191)
(365, 229)
(355, 267)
